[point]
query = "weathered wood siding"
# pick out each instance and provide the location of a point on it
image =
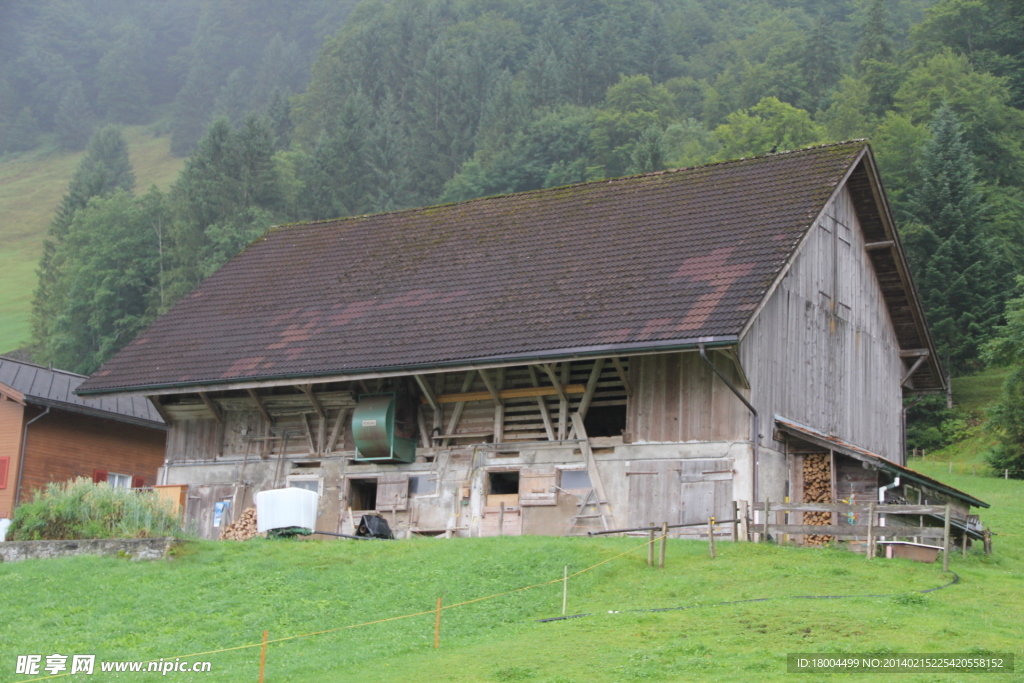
(678, 398)
(823, 350)
(11, 424)
(65, 445)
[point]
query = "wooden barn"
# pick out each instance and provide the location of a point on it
(653, 348)
(48, 434)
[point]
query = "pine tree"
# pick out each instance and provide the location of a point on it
(820, 64)
(958, 270)
(74, 119)
(104, 169)
(876, 43)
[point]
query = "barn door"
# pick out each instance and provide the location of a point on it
(537, 487)
(705, 490)
(201, 509)
(653, 492)
(393, 492)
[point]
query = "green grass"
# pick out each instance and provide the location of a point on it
(972, 394)
(223, 595)
(31, 185)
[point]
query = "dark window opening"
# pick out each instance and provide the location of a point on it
(502, 483)
(362, 494)
(605, 421)
(422, 485)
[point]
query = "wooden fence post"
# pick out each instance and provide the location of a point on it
(437, 626)
(263, 656)
(963, 544)
(744, 525)
(988, 541)
(945, 541)
(767, 508)
(565, 588)
(735, 522)
(664, 542)
(871, 530)
(650, 547)
(711, 537)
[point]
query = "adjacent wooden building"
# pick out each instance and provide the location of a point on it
(655, 348)
(48, 434)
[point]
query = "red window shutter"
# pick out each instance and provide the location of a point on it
(138, 482)
(5, 464)
(99, 476)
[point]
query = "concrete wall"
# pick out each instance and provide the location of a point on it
(136, 549)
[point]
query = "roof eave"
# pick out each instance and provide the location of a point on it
(484, 362)
(94, 412)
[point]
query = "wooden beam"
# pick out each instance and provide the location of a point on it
(307, 389)
(554, 381)
(428, 393)
(872, 246)
(911, 353)
(157, 405)
(453, 423)
(421, 422)
(309, 433)
(490, 387)
(321, 435)
(588, 455)
(499, 406)
(913, 369)
(259, 404)
(588, 395)
(522, 392)
(563, 404)
(337, 430)
(542, 405)
(217, 414)
(623, 376)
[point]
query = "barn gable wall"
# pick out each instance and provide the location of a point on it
(823, 350)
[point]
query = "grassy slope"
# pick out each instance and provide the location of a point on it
(31, 185)
(224, 595)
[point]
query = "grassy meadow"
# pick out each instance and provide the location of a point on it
(213, 596)
(31, 186)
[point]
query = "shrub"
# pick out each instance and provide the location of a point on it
(80, 509)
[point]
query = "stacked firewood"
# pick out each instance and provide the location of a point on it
(817, 489)
(242, 529)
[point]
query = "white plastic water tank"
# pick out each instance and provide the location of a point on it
(282, 508)
(4, 523)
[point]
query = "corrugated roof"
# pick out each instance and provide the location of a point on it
(678, 255)
(46, 386)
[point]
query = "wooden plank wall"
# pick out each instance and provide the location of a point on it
(832, 365)
(64, 445)
(678, 398)
(11, 424)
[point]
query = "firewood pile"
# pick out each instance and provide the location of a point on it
(242, 529)
(817, 489)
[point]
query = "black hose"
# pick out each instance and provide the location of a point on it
(956, 579)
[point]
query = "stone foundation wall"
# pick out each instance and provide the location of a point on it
(137, 549)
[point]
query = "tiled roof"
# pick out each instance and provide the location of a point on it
(624, 263)
(45, 386)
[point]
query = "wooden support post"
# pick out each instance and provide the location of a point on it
(565, 588)
(337, 429)
(309, 433)
(664, 542)
(744, 520)
(623, 376)
(764, 532)
(437, 626)
(457, 411)
(711, 537)
(307, 389)
(988, 541)
(263, 656)
(963, 544)
(735, 522)
(650, 547)
(501, 519)
(871, 530)
(543, 406)
(945, 540)
(211, 406)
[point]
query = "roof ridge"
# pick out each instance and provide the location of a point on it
(8, 359)
(713, 164)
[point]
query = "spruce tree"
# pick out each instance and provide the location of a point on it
(74, 119)
(958, 270)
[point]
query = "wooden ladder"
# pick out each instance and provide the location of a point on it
(584, 504)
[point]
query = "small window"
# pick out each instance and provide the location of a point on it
(504, 483)
(310, 482)
(575, 479)
(605, 421)
(422, 485)
(362, 494)
(119, 481)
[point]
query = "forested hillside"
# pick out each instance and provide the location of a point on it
(286, 117)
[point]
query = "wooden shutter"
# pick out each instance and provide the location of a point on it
(5, 464)
(537, 487)
(393, 492)
(138, 482)
(99, 476)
